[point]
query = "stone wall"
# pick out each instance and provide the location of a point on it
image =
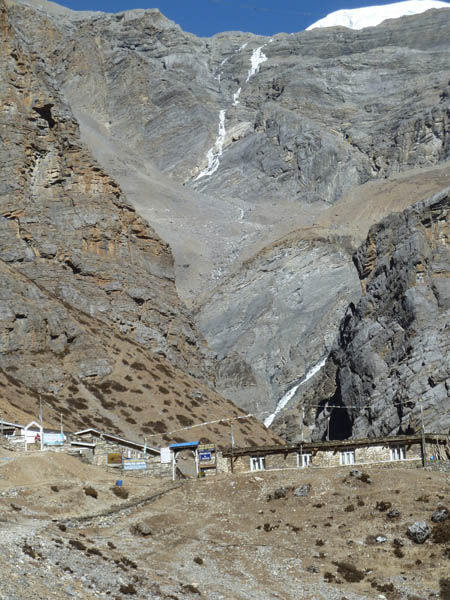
(332, 458)
(222, 464)
(282, 461)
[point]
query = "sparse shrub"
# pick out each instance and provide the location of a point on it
(77, 544)
(441, 533)
(423, 498)
(128, 590)
(111, 545)
(90, 491)
(54, 488)
(320, 543)
(349, 508)
(62, 527)
(383, 506)
(184, 420)
(93, 552)
(349, 572)
(444, 588)
(137, 366)
(29, 550)
(141, 529)
(128, 563)
(120, 492)
(118, 387)
(191, 588)
(198, 560)
(158, 426)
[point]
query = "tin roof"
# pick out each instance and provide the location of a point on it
(118, 440)
(180, 445)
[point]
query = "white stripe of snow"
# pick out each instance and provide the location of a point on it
(256, 59)
(236, 97)
(282, 402)
(215, 152)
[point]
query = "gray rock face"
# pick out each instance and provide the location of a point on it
(419, 532)
(90, 319)
(65, 223)
(392, 351)
(308, 283)
(224, 160)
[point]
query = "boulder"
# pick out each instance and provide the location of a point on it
(303, 490)
(440, 515)
(418, 532)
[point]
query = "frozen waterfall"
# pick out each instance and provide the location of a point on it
(215, 152)
(283, 401)
(257, 58)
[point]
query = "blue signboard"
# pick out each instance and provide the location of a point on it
(205, 455)
(133, 464)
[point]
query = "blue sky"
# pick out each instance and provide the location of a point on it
(207, 17)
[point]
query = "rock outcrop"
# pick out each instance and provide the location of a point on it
(278, 312)
(392, 356)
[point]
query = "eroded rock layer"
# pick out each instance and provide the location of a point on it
(90, 318)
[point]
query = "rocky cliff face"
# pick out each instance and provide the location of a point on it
(392, 352)
(235, 146)
(90, 317)
(279, 313)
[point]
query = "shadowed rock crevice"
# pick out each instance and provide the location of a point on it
(46, 113)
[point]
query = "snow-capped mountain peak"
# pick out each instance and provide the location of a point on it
(369, 16)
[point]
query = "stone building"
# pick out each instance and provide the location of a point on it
(409, 450)
(108, 450)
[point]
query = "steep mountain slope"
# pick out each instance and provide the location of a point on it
(236, 146)
(90, 318)
(392, 354)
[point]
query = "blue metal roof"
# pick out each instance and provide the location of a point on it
(184, 445)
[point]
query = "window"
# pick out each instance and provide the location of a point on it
(257, 463)
(304, 459)
(348, 457)
(398, 452)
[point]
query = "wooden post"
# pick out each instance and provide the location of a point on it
(232, 446)
(328, 425)
(424, 448)
(301, 422)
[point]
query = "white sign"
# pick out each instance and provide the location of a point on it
(165, 456)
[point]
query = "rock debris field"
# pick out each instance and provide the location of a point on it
(69, 532)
